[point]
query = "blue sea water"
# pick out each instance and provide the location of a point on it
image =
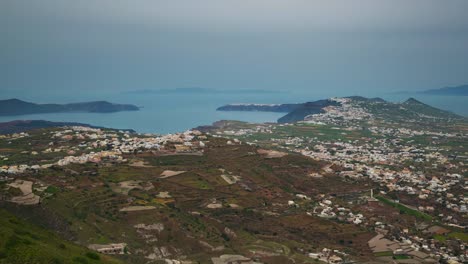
(167, 113)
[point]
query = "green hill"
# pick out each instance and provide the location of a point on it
(425, 109)
(21, 242)
(408, 111)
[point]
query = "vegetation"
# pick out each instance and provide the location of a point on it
(21, 242)
(404, 209)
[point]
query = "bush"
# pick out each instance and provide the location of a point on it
(225, 237)
(15, 191)
(56, 261)
(52, 190)
(80, 259)
(92, 255)
(12, 242)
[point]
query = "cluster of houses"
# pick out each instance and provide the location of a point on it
(417, 249)
(115, 248)
(345, 113)
(402, 131)
(326, 209)
(391, 241)
(382, 162)
(383, 165)
(267, 129)
(329, 256)
(14, 136)
(95, 145)
(392, 158)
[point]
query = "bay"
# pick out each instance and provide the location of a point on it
(168, 113)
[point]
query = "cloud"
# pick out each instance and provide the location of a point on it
(257, 44)
(254, 15)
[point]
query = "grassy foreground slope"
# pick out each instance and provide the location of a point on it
(21, 242)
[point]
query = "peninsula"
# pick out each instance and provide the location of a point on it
(301, 112)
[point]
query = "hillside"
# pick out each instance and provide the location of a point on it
(377, 106)
(18, 126)
(461, 90)
(172, 202)
(12, 107)
(296, 192)
(265, 193)
(22, 242)
(411, 109)
(306, 109)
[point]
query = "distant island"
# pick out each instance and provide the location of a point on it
(461, 90)
(12, 107)
(281, 108)
(200, 90)
(300, 112)
(18, 126)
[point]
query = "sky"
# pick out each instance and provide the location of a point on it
(347, 47)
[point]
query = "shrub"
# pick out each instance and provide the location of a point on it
(92, 255)
(80, 259)
(56, 261)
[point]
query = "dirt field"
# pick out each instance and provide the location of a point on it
(270, 154)
(169, 173)
(28, 197)
(137, 208)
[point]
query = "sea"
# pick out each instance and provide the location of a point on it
(177, 112)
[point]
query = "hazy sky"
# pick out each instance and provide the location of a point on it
(299, 45)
